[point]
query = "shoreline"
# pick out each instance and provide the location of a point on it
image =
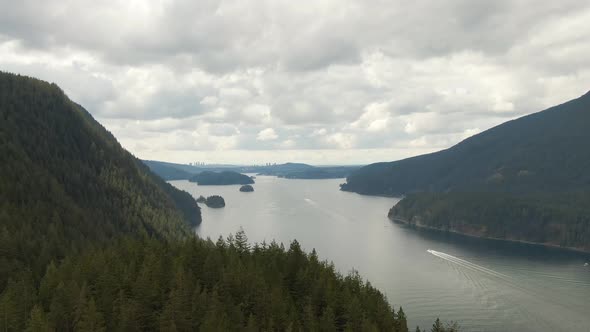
(546, 245)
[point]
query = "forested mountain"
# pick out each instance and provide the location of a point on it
(551, 219)
(525, 180)
(65, 180)
(545, 151)
(91, 240)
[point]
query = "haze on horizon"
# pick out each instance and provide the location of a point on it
(322, 82)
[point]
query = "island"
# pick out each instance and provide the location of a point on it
(215, 201)
(221, 178)
(246, 188)
(201, 199)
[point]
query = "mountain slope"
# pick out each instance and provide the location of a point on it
(560, 220)
(525, 180)
(65, 181)
(91, 240)
(545, 151)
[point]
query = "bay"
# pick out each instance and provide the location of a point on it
(485, 285)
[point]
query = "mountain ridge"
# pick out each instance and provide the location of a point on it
(526, 180)
(516, 156)
(59, 162)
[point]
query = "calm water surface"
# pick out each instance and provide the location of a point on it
(485, 285)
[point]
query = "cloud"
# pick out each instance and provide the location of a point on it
(267, 134)
(342, 141)
(380, 80)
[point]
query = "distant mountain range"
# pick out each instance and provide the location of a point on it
(171, 171)
(524, 180)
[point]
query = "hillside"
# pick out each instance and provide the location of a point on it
(66, 183)
(545, 151)
(61, 164)
(525, 180)
(91, 240)
(561, 220)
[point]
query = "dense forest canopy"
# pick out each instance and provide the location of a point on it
(65, 181)
(559, 220)
(91, 240)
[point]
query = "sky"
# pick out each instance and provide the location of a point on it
(322, 82)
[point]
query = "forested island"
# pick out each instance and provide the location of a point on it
(92, 240)
(221, 178)
(525, 180)
(215, 201)
(246, 188)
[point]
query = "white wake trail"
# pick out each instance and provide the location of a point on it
(468, 265)
(310, 201)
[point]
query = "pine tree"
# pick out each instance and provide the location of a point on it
(38, 321)
(401, 322)
(327, 321)
(90, 320)
(452, 327)
(61, 308)
(252, 325)
(241, 242)
(437, 326)
(17, 301)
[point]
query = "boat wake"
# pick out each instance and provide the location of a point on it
(468, 265)
(508, 292)
(310, 201)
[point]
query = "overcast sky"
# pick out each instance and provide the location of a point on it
(324, 82)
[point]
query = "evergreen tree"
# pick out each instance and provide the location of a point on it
(437, 326)
(90, 319)
(402, 324)
(252, 325)
(327, 321)
(241, 242)
(38, 321)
